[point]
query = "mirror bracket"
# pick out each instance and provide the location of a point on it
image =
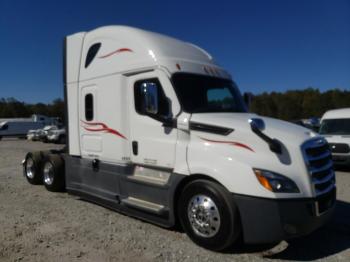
(169, 122)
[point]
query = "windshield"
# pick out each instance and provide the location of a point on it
(339, 126)
(203, 94)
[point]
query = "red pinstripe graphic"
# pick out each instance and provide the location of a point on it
(232, 143)
(103, 128)
(120, 50)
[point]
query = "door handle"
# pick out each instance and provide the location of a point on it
(135, 147)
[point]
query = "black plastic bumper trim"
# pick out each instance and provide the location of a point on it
(272, 220)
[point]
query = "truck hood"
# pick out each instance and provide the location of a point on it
(287, 133)
(235, 154)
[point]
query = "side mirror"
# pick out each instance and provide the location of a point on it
(247, 97)
(149, 93)
(257, 124)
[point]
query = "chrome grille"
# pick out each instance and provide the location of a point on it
(318, 159)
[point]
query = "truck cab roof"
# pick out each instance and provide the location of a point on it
(111, 49)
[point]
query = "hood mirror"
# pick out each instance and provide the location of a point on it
(257, 124)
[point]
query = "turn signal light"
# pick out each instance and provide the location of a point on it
(263, 180)
(275, 182)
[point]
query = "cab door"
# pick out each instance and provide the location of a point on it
(153, 106)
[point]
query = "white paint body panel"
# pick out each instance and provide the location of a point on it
(156, 144)
(110, 109)
(232, 165)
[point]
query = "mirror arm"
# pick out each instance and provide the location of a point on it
(274, 144)
(169, 122)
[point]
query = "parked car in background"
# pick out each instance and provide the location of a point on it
(31, 135)
(57, 136)
(312, 123)
(19, 127)
(44, 132)
(335, 127)
(48, 134)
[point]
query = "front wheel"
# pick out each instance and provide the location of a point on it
(208, 215)
(53, 173)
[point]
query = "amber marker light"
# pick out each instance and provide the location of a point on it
(275, 182)
(263, 180)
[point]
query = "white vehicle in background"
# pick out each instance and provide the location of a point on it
(48, 134)
(56, 136)
(43, 133)
(157, 130)
(335, 127)
(19, 127)
(35, 134)
(31, 135)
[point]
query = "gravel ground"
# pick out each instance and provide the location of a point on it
(37, 225)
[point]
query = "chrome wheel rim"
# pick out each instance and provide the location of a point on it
(204, 216)
(30, 168)
(48, 173)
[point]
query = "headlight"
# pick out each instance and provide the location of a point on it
(275, 182)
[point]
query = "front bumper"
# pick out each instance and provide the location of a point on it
(273, 220)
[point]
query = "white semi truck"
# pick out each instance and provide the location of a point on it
(157, 130)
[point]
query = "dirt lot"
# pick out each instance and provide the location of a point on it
(36, 225)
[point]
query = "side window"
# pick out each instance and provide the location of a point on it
(89, 107)
(92, 53)
(162, 104)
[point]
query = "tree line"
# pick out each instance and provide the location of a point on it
(290, 105)
(299, 104)
(10, 107)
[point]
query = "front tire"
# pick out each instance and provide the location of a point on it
(208, 215)
(53, 173)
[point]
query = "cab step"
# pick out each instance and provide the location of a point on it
(146, 206)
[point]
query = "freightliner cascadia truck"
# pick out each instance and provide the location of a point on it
(158, 131)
